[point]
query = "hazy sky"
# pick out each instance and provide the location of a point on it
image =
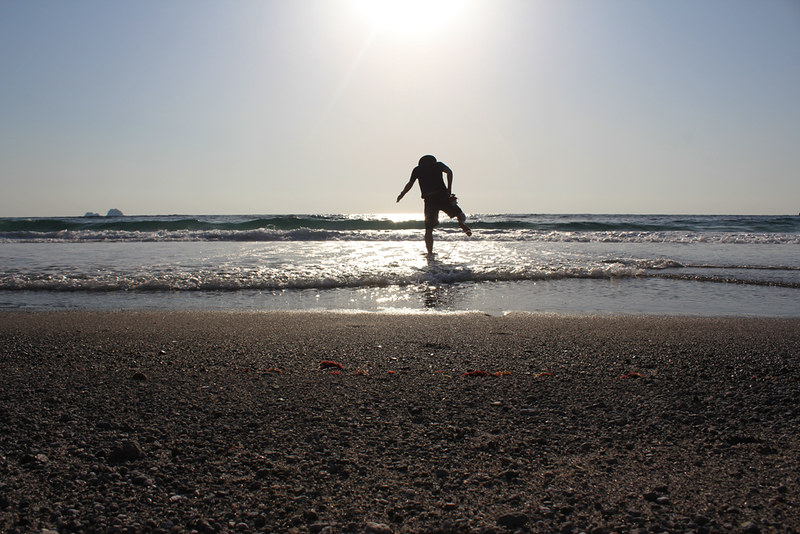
(302, 106)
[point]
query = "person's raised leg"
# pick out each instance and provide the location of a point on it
(461, 223)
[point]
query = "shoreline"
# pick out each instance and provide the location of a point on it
(224, 421)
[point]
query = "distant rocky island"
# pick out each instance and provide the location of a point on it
(113, 212)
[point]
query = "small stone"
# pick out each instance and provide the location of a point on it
(512, 520)
(510, 474)
(376, 528)
(701, 520)
(126, 452)
(546, 511)
(750, 527)
(663, 501)
(140, 377)
(263, 473)
(140, 479)
(204, 527)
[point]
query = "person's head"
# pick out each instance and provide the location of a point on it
(427, 160)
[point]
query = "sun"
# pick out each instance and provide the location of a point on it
(410, 17)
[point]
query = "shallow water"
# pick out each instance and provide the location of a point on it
(506, 266)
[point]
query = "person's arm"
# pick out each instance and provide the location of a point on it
(449, 174)
(407, 188)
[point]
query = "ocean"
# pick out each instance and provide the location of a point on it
(713, 265)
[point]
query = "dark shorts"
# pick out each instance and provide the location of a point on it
(436, 203)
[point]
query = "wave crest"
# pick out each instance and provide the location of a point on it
(543, 228)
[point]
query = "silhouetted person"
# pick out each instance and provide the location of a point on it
(437, 196)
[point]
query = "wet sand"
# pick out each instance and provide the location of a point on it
(228, 422)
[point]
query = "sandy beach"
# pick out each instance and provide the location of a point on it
(326, 422)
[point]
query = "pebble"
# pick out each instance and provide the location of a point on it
(750, 527)
(513, 520)
(316, 528)
(127, 451)
(204, 527)
(377, 528)
(140, 479)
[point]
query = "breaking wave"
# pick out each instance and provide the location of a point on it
(542, 228)
(278, 279)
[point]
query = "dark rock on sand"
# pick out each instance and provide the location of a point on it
(127, 451)
(513, 520)
(377, 528)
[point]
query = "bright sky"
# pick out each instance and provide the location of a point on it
(325, 106)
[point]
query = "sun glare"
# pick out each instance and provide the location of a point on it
(410, 17)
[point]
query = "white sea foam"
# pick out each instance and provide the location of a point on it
(304, 234)
(229, 266)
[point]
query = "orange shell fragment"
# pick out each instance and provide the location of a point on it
(476, 373)
(631, 375)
